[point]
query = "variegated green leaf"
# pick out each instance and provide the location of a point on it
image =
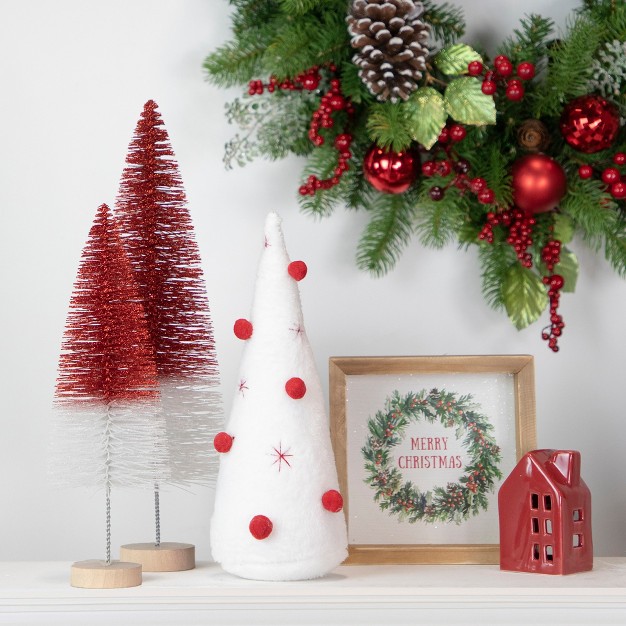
(426, 116)
(466, 102)
(454, 59)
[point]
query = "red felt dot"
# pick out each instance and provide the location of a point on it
(332, 501)
(261, 527)
(223, 442)
(295, 388)
(297, 270)
(243, 329)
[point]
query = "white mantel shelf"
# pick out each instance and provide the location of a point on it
(39, 593)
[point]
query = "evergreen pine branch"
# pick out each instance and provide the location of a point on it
(388, 232)
(352, 86)
(592, 209)
(322, 162)
(238, 61)
(388, 126)
(438, 223)
(300, 7)
(495, 169)
(252, 15)
(310, 40)
(529, 41)
(570, 60)
(496, 260)
(615, 248)
(446, 21)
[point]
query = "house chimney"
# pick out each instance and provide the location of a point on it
(565, 465)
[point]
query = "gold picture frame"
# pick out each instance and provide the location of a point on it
(514, 373)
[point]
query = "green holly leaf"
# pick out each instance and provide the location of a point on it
(426, 116)
(454, 59)
(563, 228)
(524, 296)
(568, 268)
(467, 104)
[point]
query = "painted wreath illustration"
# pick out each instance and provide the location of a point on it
(457, 500)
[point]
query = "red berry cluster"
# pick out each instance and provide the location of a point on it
(552, 333)
(449, 136)
(611, 176)
(501, 76)
(331, 102)
(309, 80)
(520, 227)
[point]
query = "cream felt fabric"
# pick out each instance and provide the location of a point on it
(306, 540)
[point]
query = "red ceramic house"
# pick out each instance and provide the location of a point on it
(545, 515)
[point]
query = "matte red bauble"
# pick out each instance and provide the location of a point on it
(388, 171)
(590, 123)
(539, 183)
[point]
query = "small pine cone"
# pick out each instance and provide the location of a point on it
(533, 135)
(391, 43)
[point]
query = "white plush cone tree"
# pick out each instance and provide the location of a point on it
(278, 512)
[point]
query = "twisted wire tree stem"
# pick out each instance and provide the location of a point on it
(108, 525)
(157, 515)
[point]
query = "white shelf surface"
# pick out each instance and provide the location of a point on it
(39, 593)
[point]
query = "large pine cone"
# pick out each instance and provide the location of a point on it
(391, 41)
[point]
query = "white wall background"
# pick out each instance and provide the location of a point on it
(74, 75)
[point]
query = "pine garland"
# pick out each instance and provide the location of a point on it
(292, 39)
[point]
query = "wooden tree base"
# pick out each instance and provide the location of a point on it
(98, 575)
(166, 557)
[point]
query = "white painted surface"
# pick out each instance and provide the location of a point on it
(39, 593)
(74, 76)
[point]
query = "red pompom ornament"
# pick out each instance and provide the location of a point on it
(388, 171)
(297, 270)
(295, 388)
(590, 123)
(261, 527)
(332, 501)
(223, 442)
(539, 183)
(243, 329)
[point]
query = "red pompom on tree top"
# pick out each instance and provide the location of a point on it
(106, 354)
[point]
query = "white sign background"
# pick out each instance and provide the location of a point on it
(365, 395)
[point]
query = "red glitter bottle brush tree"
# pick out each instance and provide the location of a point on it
(159, 239)
(108, 430)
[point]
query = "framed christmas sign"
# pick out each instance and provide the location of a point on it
(422, 445)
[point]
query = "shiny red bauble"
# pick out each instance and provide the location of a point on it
(539, 183)
(590, 123)
(389, 171)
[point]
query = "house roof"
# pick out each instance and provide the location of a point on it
(558, 467)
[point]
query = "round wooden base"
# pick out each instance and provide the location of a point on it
(98, 575)
(166, 557)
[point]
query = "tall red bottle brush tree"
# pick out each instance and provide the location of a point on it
(159, 239)
(107, 432)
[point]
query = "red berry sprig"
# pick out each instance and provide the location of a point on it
(332, 101)
(551, 255)
(611, 175)
(502, 76)
(452, 163)
(520, 227)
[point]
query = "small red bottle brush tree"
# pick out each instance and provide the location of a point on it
(107, 433)
(159, 239)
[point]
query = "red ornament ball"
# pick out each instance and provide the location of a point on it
(295, 388)
(243, 329)
(332, 501)
(223, 442)
(261, 527)
(297, 270)
(389, 171)
(539, 183)
(618, 190)
(585, 171)
(590, 123)
(610, 175)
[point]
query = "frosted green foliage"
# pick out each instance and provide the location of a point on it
(609, 73)
(271, 125)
